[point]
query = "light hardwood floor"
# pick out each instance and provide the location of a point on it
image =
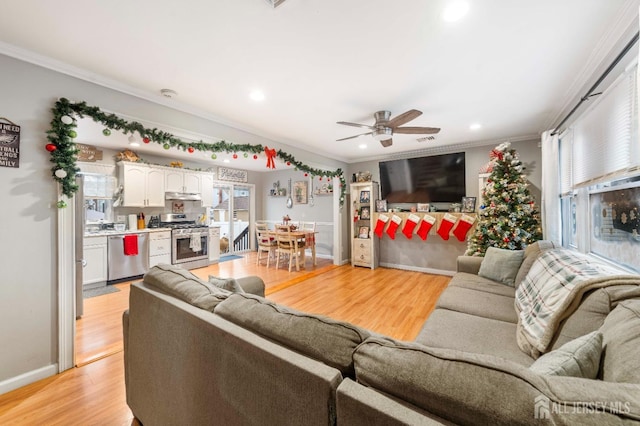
(388, 301)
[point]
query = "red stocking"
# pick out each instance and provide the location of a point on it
(393, 226)
(410, 225)
(425, 226)
(445, 226)
(463, 227)
(380, 223)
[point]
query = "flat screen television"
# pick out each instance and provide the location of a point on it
(433, 179)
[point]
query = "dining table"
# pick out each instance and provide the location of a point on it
(306, 235)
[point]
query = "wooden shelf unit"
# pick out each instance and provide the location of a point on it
(364, 251)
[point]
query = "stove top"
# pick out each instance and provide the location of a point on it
(183, 225)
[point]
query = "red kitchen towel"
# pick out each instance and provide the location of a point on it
(131, 245)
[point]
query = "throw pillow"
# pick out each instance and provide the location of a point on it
(501, 265)
(229, 284)
(577, 358)
(621, 339)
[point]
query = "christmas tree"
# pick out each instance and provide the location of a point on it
(508, 217)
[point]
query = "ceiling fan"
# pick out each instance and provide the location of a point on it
(384, 127)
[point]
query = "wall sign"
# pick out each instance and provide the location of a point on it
(9, 144)
(88, 152)
(232, 175)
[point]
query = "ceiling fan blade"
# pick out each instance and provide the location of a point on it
(404, 118)
(364, 126)
(386, 143)
(353, 137)
(417, 130)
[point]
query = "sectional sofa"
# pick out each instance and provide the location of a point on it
(196, 353)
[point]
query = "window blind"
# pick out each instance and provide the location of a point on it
(605, 140)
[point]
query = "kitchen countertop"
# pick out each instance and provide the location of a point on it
(125, 232)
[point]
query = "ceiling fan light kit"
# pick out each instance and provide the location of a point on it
(384, 127)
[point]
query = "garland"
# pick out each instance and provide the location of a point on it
(64, 151)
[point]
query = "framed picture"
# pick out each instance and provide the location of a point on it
(381, 205)
(423, 207)
(363, 232)
(300, 194)
(365, 213)
(365, 196)
(468, 204)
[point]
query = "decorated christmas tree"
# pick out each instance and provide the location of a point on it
(508, 217)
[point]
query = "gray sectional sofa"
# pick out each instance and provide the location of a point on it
(196, 354)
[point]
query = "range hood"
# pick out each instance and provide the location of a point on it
(182, 196)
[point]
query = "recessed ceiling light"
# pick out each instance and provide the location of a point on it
(455, 11)
(475, 126)
(362, 146)
(257, 95)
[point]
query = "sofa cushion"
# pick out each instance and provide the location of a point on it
(229, 284)
(185, 286)
(531, 253)
(577, 358)
(316, 336)
(501, 265)
(470, 333)
(479, 303)
(475, 282)
(621, 339)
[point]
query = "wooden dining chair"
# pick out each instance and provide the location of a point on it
(310, 237)
(289, 246)
(266, 243)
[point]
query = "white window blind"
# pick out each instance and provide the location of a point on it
(605, 140)
(565, 163)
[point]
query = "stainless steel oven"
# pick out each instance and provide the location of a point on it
(189, 242)
(189, 247)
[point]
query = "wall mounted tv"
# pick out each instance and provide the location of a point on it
(433, 179)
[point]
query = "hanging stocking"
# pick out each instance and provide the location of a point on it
(425, 226)
(410, 225)
(463, 227)
(393, 226)
(380, 223)
(445, 226)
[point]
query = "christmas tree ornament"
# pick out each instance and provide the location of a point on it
(446, 225)
(146, 140)
(66, 119)
(214, 156)
(61, 204)
(235, 156)
(61, 173)
(72, 134)
(393, 226)
(106, 132)
(306, 174)
(288, 163)
(380, 223)
(410, 225)
(255, 156)
(166, 146)
(190, 149)
(50, 147)
(464, 225)
(425, 226)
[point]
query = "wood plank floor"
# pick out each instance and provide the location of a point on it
(388, 301)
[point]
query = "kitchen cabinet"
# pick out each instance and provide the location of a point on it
(144, 186)
(159, 248)
(94, 266)
(207, 189)
(182, 181)
(364, 247)
(214, 244)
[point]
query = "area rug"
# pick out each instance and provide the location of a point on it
(99, 291)
(230, 257)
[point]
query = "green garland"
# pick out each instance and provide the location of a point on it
(64, 151)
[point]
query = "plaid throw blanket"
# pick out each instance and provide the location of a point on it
(552, 291)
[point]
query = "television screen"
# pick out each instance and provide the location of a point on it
(433, 179)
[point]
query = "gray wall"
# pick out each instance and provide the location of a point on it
(28, 218)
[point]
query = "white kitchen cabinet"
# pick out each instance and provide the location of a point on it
(214, 244)
(207, 189)
(159, 247)
(144, 186)
(182, 181)
(95, 260)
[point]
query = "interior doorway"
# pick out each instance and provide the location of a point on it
(233, 211)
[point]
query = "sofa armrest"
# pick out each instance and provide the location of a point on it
(469, 264)
(468, 388)
(252, 285)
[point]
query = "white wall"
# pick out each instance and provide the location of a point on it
(28, 218)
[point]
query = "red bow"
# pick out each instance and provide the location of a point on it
(271, 154)
(496, 154)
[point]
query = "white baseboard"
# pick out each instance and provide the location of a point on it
(418, 269)
(28, 378)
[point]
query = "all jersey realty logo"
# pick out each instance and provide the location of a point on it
(543, 407)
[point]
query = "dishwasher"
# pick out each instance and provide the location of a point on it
(124, 266)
